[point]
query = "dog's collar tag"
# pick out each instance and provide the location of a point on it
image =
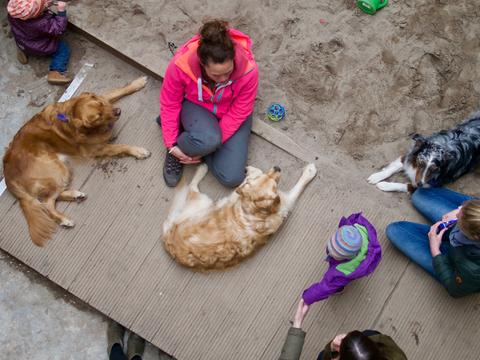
(62, 117)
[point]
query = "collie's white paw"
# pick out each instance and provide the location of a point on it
(389, 186)
(67, 223)
(139, 83)
(310, 171)
(141, 153)
(375, 178)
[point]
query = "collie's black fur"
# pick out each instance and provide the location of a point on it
(444, 156)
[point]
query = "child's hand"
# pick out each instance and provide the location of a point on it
(61, 6)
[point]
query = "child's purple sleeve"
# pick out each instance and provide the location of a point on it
(320, 291)
(54, 25)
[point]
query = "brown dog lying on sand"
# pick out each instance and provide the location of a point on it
(204, 235)
(34, 164)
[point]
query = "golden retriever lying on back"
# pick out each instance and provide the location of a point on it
(204, 235)
(34, 167)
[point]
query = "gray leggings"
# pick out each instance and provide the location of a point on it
(201, 136)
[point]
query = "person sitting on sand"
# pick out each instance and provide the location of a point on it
(206, 104)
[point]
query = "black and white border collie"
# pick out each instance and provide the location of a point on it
(435, 160)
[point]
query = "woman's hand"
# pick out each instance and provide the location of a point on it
(336, 342)
(435, 239)
(452, 215)
(302, 310)
(184, 159)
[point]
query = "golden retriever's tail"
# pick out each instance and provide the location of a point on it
(40, 225)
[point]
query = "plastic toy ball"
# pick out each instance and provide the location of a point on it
(276, 112)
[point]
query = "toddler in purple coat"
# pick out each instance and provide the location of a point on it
(37, 31)
(353, 252)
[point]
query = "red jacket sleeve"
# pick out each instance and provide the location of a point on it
(171, 98)
(241, 107)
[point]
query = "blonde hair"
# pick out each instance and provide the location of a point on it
(469, 219)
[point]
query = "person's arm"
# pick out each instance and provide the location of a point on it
(452, 215)
(241, 108)
(442, 265)
(56, 25)
(292, 348)
(320, 291)
(445, 271)
(171, 98)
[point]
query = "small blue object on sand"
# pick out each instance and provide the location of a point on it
(276, 112)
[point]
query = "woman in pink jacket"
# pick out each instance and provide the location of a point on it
(206, 104)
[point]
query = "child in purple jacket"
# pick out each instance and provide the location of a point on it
(353, 252)
(37, 31)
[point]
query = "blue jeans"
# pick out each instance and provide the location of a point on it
(60, 57)
(412, 238)
(201, 136)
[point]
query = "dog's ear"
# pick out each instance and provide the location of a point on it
(267, 204)
(420, 141)
(240, 189)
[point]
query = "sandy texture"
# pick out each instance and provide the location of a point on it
(351, 82)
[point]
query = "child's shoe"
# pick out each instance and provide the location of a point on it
(57, 78)
(21, 56)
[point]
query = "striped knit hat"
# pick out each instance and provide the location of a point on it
(345, 243)
(26, 9)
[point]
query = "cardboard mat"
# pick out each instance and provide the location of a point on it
(114, 260)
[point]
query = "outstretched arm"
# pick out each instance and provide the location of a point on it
(292, 348)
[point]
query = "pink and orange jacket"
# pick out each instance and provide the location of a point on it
(231, 102)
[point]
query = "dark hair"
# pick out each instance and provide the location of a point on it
(357, 346)
(215, 43)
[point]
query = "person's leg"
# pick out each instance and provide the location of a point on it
(115, 341)
(201, 133)
(60, 57)
(117, 353)
(433, 203)
(412, 240)
(135, 347)
(228, 163)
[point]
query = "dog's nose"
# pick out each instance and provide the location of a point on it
(277, 168)
(117, 111)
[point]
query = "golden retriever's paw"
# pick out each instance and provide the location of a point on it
(310, 171)
(79, 196)
(140, 153)
(202, 170)
(67, 223)
(139, 83)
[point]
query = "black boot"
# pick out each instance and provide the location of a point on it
(172, 170)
